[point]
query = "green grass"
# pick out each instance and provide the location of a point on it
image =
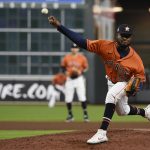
(10, 134)
(41, 112)
(37, 112)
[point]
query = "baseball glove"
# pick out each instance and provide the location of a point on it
(132, 86)
(59, 78)
(74, 75)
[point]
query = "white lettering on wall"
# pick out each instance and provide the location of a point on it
(31, 91)
(7, 91)
(25, 91)
(17, 90)
(41, 92)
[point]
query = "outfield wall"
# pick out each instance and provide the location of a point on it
(40, 90)
(24, 90)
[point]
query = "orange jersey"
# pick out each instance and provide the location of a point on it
(117, 69)
(72, 63)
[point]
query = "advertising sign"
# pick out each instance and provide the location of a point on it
(25, 90)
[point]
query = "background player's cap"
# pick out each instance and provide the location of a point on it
(74, 45)
(125, 29)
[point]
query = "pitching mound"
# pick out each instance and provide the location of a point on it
(119, 139)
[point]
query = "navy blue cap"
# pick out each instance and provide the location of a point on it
(125, 29)
(74, 45)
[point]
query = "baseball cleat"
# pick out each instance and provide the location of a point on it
(69, 118)
(99, 137)
(86, 118)
(147, 112)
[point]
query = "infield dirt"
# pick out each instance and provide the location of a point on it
(122, 136)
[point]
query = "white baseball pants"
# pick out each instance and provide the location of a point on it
(71, 85)
(54, 94)
(116, 95)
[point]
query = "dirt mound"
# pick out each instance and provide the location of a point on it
(119, 139)
(122, 136)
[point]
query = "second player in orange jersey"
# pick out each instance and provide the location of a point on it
(75, 64)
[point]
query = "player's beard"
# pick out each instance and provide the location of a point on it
(123, 45)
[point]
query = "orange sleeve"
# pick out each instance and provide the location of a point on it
(63, 62)
(85, 63)
(95, 46)
(140, 72)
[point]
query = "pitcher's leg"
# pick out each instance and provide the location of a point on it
(111, 100)
(123, 108)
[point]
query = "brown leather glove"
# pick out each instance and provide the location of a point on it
(132, 86)
(74, 75)
(59, 78)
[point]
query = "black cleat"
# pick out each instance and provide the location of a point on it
(69, 118)
(86, 118)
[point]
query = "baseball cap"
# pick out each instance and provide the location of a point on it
(74, 45)
(125, 29)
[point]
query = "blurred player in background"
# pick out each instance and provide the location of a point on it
(122, 65)
(56, 88)
(74, 65)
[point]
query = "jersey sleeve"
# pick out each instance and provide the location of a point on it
(140, 72)
(85, 63)
(63, 62)
(96, 46)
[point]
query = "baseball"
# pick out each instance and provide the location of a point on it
(44, 11)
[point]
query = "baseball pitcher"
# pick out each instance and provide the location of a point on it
(124, 72)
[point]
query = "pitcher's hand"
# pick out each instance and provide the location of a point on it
(53, 21)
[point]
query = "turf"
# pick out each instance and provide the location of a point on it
(10, 134)
(41, 112)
